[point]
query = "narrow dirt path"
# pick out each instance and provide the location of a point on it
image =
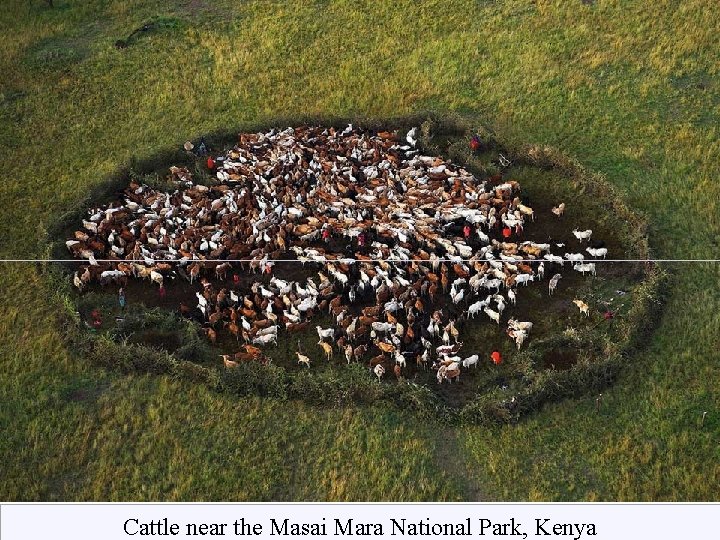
(451, 458)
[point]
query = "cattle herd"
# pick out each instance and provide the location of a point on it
(399, 248)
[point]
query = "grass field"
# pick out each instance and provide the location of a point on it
(629, 88)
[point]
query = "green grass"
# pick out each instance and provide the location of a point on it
(629, 88)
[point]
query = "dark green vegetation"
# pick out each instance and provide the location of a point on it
(629, 88)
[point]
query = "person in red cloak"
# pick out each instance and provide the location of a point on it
(506, 232)
(236, 279)
(467, 231)
(496, 357)
(475, 143)
(211, 163)
(97, 320)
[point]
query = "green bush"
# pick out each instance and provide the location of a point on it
(418, 399)
(252, 378)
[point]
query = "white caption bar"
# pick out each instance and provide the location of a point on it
(331, 521)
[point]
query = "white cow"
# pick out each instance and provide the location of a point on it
(582, 235)
(553, 283)
(583, 268)
(494, 315)
(382, 327)
(575, 257)
(475, 308)
(524, 279)
(599, 252)
(265, 340)
(519, 336)
(379, 371)
(514, 324)
(554, 258)
(470, 361)
(325, 333)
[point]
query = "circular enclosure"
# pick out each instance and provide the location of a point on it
(383, 263)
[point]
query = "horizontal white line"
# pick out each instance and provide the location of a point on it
(351, 260)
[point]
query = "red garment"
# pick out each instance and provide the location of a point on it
(326, 234)
(496, 357)
(474, 143)
(506, 232)
(211, 163)
(608, 315)
(361, 240)
(466, 231)
(236, 279)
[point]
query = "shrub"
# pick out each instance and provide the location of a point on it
(253, 378)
